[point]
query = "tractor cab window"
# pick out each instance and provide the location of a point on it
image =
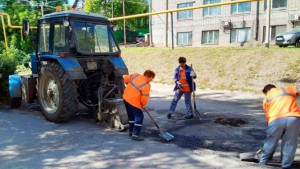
(59, 39)
(44, 38)
(94, 38)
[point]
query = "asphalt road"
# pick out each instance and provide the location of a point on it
(27, 140)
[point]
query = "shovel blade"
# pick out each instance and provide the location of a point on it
(166, 136)
(249, 156)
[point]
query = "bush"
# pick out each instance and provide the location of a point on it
(8, 63)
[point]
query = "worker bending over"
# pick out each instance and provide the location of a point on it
(283, 115)
(136, 96)
(183, 86)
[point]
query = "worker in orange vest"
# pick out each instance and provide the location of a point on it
(136, 96)
(183, 86)
(283, 116)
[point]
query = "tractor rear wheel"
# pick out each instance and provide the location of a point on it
(57, 94)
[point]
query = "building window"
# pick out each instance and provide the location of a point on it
(184, 38)
(276, 4)
(240, 35)
(274, 31)
(210, 37)
(212, 11)
(185, 14)
(241, 7)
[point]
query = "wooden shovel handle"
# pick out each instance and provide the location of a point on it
(151, 118)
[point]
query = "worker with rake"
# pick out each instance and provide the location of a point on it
(283, 115)
(183, 86)
(136, 96)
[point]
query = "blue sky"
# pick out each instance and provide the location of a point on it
(71, 2)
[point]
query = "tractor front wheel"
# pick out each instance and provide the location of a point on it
(57, 95)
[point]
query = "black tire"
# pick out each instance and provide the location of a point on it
(57, 95)
(297, 44)
(280, 46)
(16, 102)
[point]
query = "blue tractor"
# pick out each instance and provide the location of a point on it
(77, 62)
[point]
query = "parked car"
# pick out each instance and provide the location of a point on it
(139, 39)
(289, 38)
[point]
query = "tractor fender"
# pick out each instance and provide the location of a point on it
(120, 68)
(15, 89)
(72, 68)
(70, 65)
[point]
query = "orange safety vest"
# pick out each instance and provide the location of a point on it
(137, 90)
(281, 102)
(183, 81)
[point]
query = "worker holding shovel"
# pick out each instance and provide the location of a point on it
(183, 86)
(136, 96)
(283, 115)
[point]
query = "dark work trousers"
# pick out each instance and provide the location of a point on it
(135, 118)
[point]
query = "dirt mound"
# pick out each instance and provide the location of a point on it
(236, 122)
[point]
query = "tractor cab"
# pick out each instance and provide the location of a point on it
(76, 33)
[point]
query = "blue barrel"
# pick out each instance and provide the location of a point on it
(15, 90)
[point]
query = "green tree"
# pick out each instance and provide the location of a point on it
(109, 8)
(19, 49)
(25, 9)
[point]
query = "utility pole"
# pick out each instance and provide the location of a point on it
(268, 20)
(42, 9)
(150, 23)
(172, 28)
(112, 8)
(167, 6)
(82, 2)
(124, 23)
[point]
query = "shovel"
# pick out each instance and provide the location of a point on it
(197, 113)
(251, 156)
(165, 135)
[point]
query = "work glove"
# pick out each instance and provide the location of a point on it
(179, 85)
(192, 74)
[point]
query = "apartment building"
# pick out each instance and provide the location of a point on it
(241, 24)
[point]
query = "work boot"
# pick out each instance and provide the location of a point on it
(169, 115)
(189, 116)
(137, 138)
